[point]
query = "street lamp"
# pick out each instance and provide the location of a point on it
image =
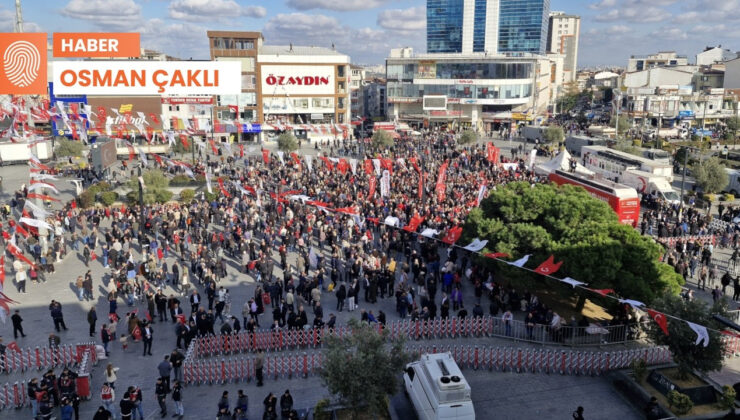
(683, 176)
(141, 209)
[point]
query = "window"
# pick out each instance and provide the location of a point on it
(341, 71)
(249, 82)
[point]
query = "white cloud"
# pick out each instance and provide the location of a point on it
(363, 45)
(635, 14)
(618, 29)
(117, 14)
(669, 33)
(199, 10)
(603, 4)
(413, 19)
(181, 40)
(7, 23)
(338, 5)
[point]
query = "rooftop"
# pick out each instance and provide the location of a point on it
(297, 50)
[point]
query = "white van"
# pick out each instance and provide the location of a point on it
(438, 389)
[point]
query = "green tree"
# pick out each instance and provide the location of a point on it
(467, 137)
(710, 175)
(155, 187)
(681, 338)
(579, 230)
(287, 142)
(65, 148)
(623, 126)
(382, 140)
(361, 369)
(554, 134)
(733, 125)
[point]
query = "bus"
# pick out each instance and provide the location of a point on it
(612, 163)
(621, 198)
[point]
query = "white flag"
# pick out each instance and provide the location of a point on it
(520, 262)
(35, 223)
(476, 245)
(633, 303)
(143, 158)
(353, 165)
(572, 282)
(227, 146)
(390, 220)
(313, 259)
(280, 156)
(208, 183)
(532, 157)
(37, 211)
(171, 138)
(376, 164)
(429, 233)
(385, 184)
(481, 194)
(309, 162)
(41, 177)
(701, 333)
(189, 172)
(143, 117)
(38, 185)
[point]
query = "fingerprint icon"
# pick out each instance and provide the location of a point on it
(21, 63)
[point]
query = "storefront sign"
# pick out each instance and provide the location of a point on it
(251, 128)
(146, 77)
(297, 80)
(445, 113)
(188, 100)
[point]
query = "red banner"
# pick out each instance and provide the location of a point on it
(421, 184)
(548, 267)
(266, 156)
(441, 178)
(373, 181)
(492, 153)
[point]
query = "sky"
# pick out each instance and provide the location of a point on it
(611, 31)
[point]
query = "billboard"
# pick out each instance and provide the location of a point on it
(297, 80)
(435, 103)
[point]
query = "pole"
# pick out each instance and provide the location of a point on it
(141, 209)
(616, 122)
(683, 176)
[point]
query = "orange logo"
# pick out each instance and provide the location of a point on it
(24, 63)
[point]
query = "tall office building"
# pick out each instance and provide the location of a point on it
(493, 26)
(562, 38)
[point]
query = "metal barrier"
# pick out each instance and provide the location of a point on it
(42, 358)
(504, 359)
(244, 342)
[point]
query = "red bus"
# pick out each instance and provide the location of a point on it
(621, 198)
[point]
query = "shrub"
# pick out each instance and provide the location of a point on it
(212, 196)
(727, 399)
(108, 197)
(66, 148)
(287, 142)
(382, 140)
(180, 180)
(187, 195)
(319, 412)
(467, 137)
(639, 369)
(162, 196)
(680, 403)
(86, 199)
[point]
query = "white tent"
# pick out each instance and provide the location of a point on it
(562, 162)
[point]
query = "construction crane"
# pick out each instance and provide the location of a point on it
(18, 16)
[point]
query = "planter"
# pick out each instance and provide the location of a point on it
(699, 394)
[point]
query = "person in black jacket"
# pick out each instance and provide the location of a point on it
(127, 407)
(102, 414)
(160, 390)
(177, 398)
(341, 295)
(286, 403)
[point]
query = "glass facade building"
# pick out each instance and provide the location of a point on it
(523, 26)
(479, 26)
(445, 26)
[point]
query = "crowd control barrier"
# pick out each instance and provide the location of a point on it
(43, 358)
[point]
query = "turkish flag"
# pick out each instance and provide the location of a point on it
(241, 151)
(2, 271)
(413, 223)
(659, 319)
(327, 162)
(492, 153)
(184, 141)
(223, 190)
(213, 147)
(497, 255)
(266, 156)
(343, 166)
(296, 159)
(74, 204)
(234, 109)
(136, 333)
(368, 166)
(180, 319)
(602, 292)
(452, 235)
(158, 159)
(373, 182)
(14, 346)
(387, 163)
(548, 267)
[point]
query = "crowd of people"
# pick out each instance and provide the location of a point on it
(342, 255)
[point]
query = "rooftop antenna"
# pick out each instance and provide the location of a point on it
(18, 16)
(332, 44)
(291, 47)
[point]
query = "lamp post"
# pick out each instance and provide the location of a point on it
(683, 176)
(141, 209)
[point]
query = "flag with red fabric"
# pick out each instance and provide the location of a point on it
(414, 223)
(368, 165)
(266, 156)
(93, 256)
(327, 162)
(548, 267)
(659, 319)
(2, 272)
(497, 255)
(223, 190)
(184, 141)
(492, 153)
(241, 151)
(213, 147)
(296, 159)
(373, 181)
(14, 346)
(602, 292)
(136, 333)
(343, 166)
(453, 234)
(180, 319)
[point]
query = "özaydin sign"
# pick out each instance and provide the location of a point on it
(146, 77)
(297, 80)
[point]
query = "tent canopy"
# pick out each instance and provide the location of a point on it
(562, 162)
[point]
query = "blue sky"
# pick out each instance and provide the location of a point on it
(366, 29)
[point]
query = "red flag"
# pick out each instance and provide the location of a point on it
(369, 166)
(180, 319)
(387, 163)
(149, 134)
(266, 156)
(158, 159)
(373, 181)
(213, 147)
(154, 118)
(452, 235)
(492, 153)
(130, 151)
(414, 223)
(93, 256)
(223, 190)
(422, 176)
(241, 151)
(441, 178)
(19, 229)
(160, 253)
(2, 271)
(659, 319)
(296, 159)
(416, 165)
(252, 264)
(18, 254)
(497, 255)
(234, 109)
(123, 208)
(42, 197)
(343, 166)
(327, 162)
(602, 292)
(14, 346)
(74, 204)
(184, 141)
(136, 333)
(548, 267)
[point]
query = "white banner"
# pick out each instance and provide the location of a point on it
(385, 184)
(309, 162)
(353, 165)
(532, 157)
(481, 194)
(146, 77)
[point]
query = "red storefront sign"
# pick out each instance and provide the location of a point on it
(188, 100)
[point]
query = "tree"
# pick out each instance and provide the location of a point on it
(733, 125)
(287, 142)
(681, 338)
(710, 175)
(554, 134)
(361, 370)
(67, 148)
(623, 126)
(467, 137)
(382, 140)
(155, 187)
(579, 230)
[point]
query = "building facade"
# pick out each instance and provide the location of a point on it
(476, 91)
(563, 36)
(356, 84)
(712, 55)
(487, 26)
(661, 59)
(375, 100)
